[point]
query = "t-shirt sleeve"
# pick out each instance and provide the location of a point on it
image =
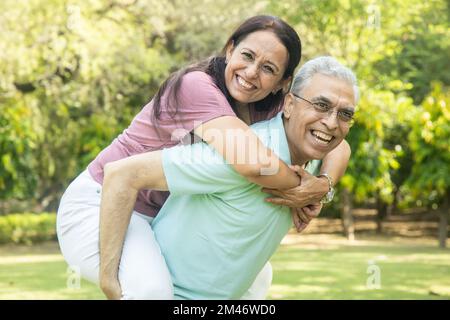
(313, 167)
(199, 101)
(198, 169)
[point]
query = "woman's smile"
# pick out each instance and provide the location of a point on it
(243, 84)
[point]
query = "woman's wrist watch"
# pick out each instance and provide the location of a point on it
(330, 194)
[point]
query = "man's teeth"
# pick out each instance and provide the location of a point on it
(322, 136)
(244, 83)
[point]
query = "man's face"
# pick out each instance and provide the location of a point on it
(311, 133)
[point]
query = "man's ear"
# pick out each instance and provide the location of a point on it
(288, 106)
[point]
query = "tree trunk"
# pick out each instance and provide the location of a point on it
(443, 221)
(382, 209)
(393, 206)
(346, 215)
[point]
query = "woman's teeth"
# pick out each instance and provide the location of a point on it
(321, 136)
(244, 83)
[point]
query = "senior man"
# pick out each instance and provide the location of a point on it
(215, 231)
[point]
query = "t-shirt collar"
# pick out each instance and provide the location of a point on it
(277, 138)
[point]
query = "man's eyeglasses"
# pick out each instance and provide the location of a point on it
(323, 109)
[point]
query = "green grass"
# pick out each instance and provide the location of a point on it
(328, 267)
(305, 267)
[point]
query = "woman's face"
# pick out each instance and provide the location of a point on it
(255, 67)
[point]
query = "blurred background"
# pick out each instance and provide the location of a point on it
(73, 74)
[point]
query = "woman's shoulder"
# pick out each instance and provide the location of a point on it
(197, 77)
(197, 85)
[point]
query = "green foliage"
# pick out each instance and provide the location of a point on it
(73, 74)
(18, 140)
(429, 140)
(376, 144)
(421, 54)
(27, 228)
(396, 48)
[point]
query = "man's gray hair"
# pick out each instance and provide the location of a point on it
(325, 65)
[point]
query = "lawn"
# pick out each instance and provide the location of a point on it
(305, 267)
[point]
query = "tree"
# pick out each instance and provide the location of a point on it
(74, 73)
(429, 140)
(381, 42)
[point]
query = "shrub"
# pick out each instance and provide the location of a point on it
(27, 228)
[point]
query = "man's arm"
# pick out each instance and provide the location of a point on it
(122, 181)
(190, 169)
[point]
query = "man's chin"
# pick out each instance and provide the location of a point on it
(319, 154)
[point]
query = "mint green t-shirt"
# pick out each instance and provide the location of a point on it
(215, 230)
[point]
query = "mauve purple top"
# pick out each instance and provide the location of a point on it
(200, 100)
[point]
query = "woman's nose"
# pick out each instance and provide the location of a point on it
(252, 70)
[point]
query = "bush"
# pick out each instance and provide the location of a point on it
(27, 228)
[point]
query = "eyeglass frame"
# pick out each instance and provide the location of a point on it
(329, 112)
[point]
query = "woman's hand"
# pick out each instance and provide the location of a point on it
(310, 191)
(303, 216)
(111, 287)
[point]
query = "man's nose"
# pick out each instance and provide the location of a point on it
(330, 120)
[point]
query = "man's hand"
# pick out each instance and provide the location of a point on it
(303, 216)
(310, 191)
(111, 288)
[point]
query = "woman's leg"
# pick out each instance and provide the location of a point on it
(261, 285)
(143, 273)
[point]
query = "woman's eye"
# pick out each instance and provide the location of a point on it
(268, 69)
(247, 56)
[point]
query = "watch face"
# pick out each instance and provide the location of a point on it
(328, 197)
(331, 194)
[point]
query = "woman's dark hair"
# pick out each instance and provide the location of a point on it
(215, 66)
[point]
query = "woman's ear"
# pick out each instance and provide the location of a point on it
(229, 51)
(285, 85)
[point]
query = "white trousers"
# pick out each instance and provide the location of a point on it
(143, 273)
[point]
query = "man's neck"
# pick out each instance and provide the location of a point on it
(296, 156)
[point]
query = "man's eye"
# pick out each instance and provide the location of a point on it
(346, 115)
(321, 106)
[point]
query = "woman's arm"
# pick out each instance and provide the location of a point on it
(335, 162)
(122, 181)
(242, 149)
